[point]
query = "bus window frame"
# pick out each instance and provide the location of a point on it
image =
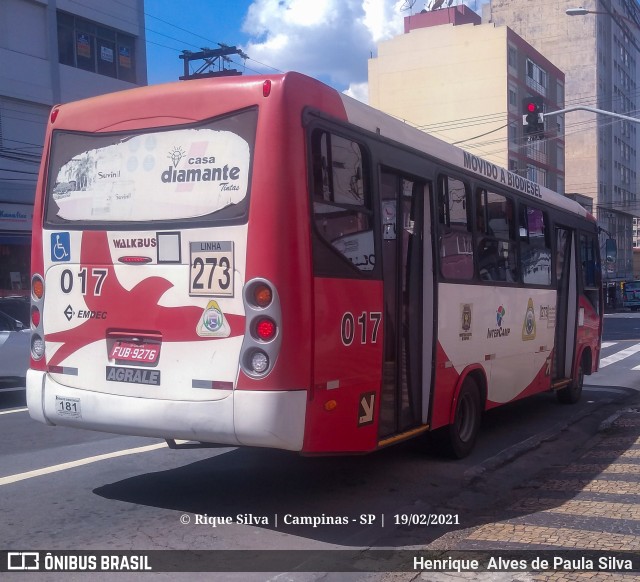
(549, 225)
(206, 221)
(442, 221)
(482, 190)
(327, 261)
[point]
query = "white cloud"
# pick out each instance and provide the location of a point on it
(359, 91)
(328, 39)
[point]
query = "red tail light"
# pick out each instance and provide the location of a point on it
(35, 316)
(266, 329)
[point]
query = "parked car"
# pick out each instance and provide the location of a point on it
(17, 307)
(14, 347)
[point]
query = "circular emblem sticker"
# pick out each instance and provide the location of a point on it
(213, 319)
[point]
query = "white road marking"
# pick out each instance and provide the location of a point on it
(621, 355)
(14, 410)
(608, 344)
(72, 464)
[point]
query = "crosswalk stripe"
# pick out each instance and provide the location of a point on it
(621, 355)
(608, 344)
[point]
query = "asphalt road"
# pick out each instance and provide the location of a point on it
(64, 489)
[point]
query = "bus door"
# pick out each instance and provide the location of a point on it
(403, 401)
(566, 303)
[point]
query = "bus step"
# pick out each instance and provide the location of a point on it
(403, 436)
(560, 383)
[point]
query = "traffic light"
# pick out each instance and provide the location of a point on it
(533, 118)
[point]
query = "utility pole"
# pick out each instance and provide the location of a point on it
(212, 58)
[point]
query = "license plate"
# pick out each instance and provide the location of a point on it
(130, 352)
(211, 269)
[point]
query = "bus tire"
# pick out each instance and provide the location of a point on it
(463, 431)
(571, 394)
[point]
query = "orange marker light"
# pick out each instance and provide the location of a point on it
(262, 295)
(330, 405)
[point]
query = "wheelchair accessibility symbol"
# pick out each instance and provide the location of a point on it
(60, 246)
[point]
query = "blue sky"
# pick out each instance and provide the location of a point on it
(327, 39)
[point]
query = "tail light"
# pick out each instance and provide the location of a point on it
(263, 333)
(37, 332)
(266, 329)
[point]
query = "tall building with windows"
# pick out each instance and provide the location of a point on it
(466, 82)
(53, 51)
(599, 51)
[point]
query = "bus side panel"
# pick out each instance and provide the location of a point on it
(347, 367)
(589, 331)
(507, 331)
(446, 379)
(279, 245)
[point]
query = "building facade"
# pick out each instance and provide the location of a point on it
(53, 51)
(599, 53)
(466, 82)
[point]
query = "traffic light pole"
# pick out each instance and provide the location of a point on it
(593, 110)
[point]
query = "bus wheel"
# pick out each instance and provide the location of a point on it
(572, 393)
(466, 422)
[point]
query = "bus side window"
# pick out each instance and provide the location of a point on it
(590, 268)
(342, 212)
(454, 239)
(496, 245)
(535, 250)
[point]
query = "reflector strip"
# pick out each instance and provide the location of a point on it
(333, 384)
(62, 370)
(135, 260)
(212, 384)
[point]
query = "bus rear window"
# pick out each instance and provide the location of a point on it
(177, 173)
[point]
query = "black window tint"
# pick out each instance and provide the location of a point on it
(535, 251)
(342, 212)
(496, 245)
(454, 239)
(589, 261)
(95, 48)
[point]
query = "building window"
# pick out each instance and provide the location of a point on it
(536, 174)
(512, 56)
(536, 77)
(513, 133)
(89, 46)
(560, 93)
(513, 98)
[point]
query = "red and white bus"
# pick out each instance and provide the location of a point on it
(264, 261)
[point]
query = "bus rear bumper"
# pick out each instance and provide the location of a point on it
(243, 418)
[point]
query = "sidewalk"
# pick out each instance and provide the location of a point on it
(593, 504)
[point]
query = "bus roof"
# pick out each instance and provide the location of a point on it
(139, 101)
(385, 125)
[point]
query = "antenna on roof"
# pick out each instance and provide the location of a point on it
(407, 5)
